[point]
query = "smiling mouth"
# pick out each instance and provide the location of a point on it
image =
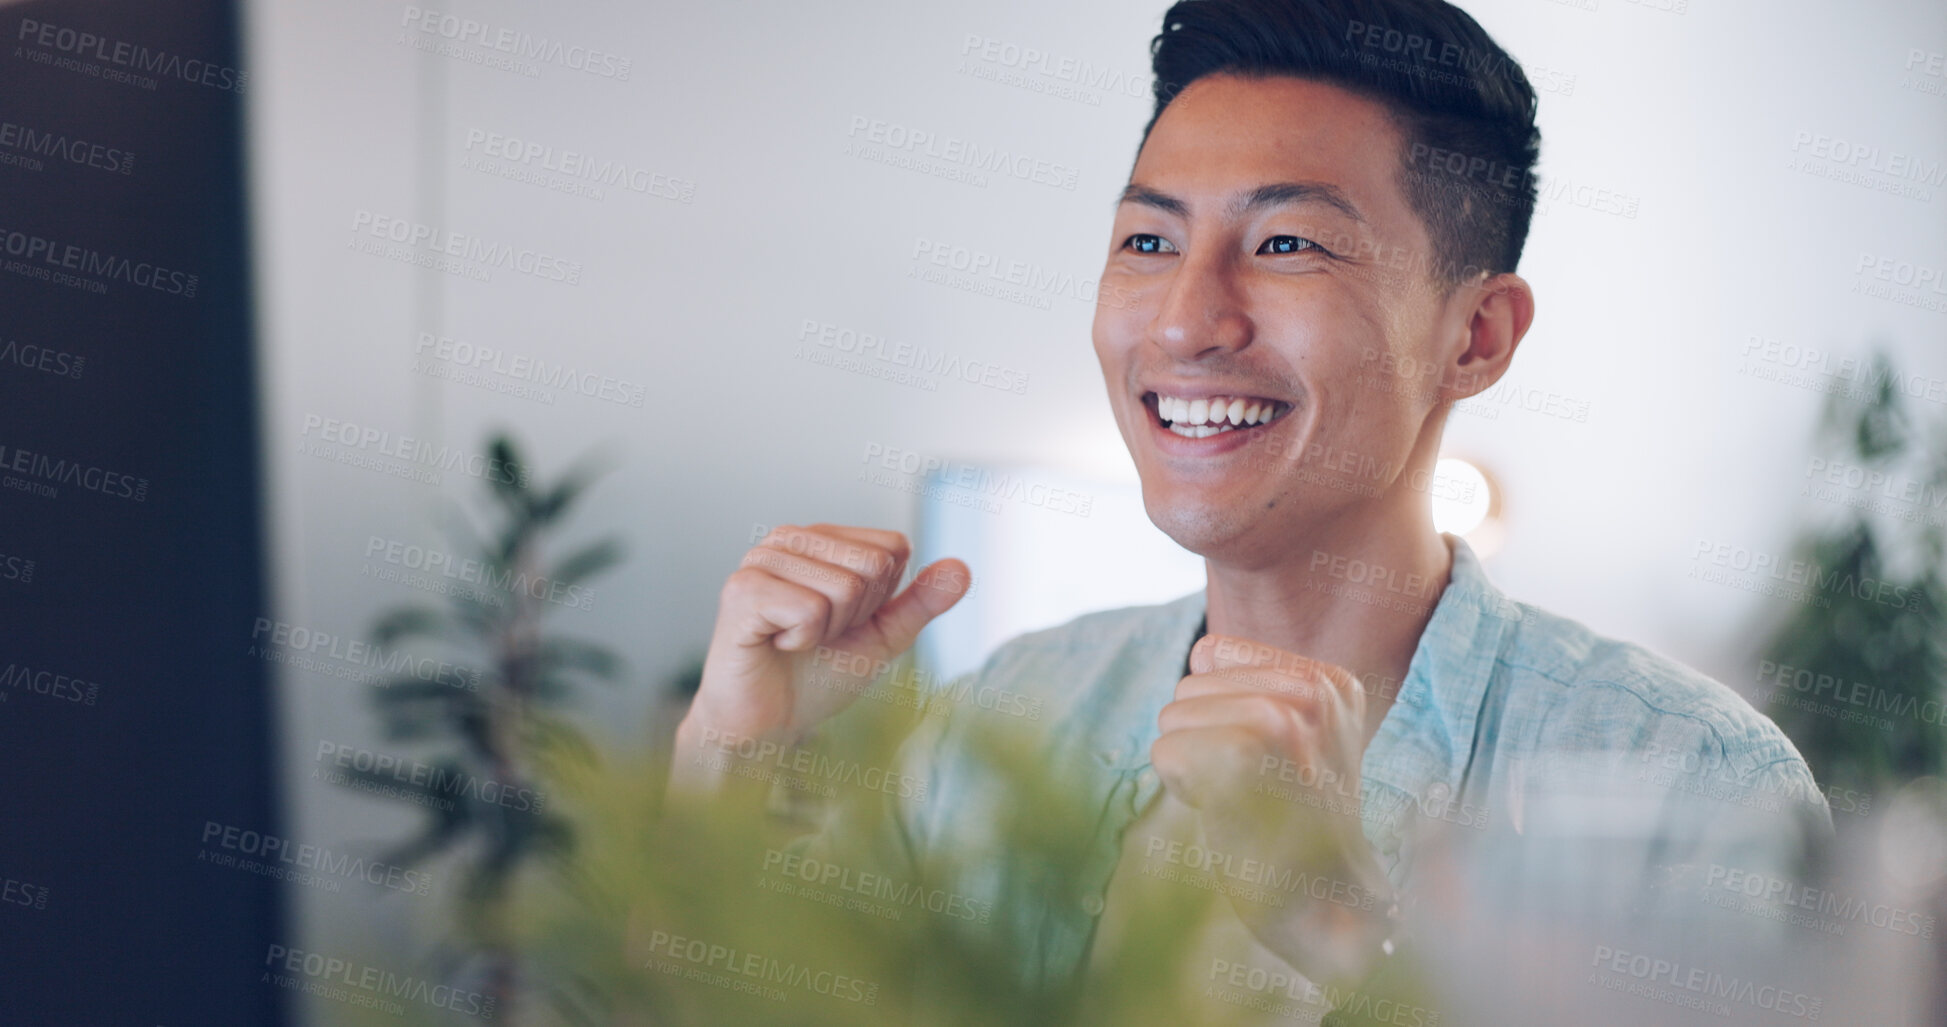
(1213, 415)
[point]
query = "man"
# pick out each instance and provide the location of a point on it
(1329, 191)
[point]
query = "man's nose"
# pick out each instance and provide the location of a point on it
(1203, 310)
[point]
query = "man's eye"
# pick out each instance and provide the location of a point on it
(1288, 244)
(1144, 243)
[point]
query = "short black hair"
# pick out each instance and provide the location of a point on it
(1464, 106)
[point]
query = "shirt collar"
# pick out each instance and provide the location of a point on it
(1426, 742)
(1162, 660)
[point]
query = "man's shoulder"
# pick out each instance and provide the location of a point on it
(1584, 690)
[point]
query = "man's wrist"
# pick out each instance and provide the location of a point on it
(1395, 992)
(707, 726)
(1390, 979)
(1357, 941)
(707, 750)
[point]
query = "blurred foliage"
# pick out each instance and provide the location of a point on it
(601, 932)
(495, 719)
(1869, 715)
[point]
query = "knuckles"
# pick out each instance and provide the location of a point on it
(742, 585)
(1197, 765)
(828, 543)
(750, 587)
(850, 585)
(1316, 697)
(848, 582)
(896, 545)
(1259, 724)
(811, 609)
(780, 536)
(1173, 757)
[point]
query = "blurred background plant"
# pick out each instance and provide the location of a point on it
(1859, 683)
(495, 721)
(660, 907)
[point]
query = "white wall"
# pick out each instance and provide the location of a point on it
(1691, 116)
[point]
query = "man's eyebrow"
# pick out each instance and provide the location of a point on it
(1280, 193)
(1275, 194)
(1133, 193)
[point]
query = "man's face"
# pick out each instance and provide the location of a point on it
(1265, 253)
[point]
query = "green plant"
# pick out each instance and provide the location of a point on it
(498, 730)
(1859, 684)
(842, 951)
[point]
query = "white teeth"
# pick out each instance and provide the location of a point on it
(1219, 413)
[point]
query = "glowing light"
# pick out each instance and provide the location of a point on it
(1463, 497)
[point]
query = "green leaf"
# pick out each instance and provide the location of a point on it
(392, 783)
(571, 654)
(479, 606)
(508, 474)
(448, 826)
(588, 561)
(556, 742)
(573, 483)
(412, 621)
(551, 690)
(481, 621)
(412, 726)
(414, 689)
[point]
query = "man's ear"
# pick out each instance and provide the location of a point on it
(1497, 314)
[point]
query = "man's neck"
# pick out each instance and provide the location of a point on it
(1358, 597)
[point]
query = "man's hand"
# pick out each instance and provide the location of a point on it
(1265, 745)
(804, 625)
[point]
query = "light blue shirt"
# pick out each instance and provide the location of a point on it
(1508, 718)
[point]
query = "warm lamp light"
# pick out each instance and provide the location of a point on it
(1467, 502)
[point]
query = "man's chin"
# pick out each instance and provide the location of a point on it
(1206, 529)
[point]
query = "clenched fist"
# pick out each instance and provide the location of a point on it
(823, 595)
(1265, 745)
